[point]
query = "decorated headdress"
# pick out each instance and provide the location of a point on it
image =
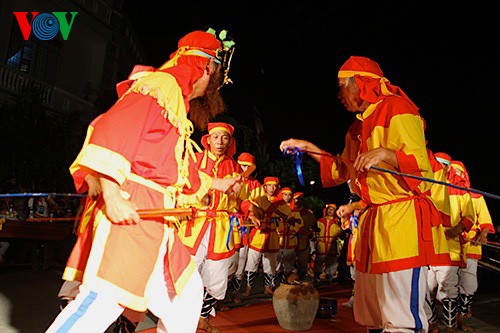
(224, 54)
(202, 45)
(246, 159)
(220, 126)
(370, 79)
(286, 189)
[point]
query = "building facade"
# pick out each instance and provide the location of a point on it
(73, 59)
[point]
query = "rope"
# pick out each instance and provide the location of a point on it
(290, 150)
(13, 195)
(468, 189)
(493, 245)
(52, 219)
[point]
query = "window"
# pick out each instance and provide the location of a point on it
(34, 57)
(20, 54)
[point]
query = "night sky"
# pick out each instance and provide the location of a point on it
(288, 54)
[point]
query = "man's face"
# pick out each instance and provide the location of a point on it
(287, 196)
(219, 142)
(271, 189)
(349, 95)
(330, 211)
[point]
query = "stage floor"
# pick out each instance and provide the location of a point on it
(256, 314)
(28, 304)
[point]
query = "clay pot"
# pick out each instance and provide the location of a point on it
(296, 305)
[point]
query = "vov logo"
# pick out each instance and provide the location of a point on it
(45, 26)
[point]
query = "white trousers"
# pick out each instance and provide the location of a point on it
(242, 262)
(70, 289)
(95, 312)
(443, 282)
(467, 278)
(233, 264)
(286, 260)
(268, 261)
(392, 301)
(214, 273)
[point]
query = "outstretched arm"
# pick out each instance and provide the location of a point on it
(314, 151)
(230, 185)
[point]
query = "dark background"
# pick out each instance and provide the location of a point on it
(288, 54)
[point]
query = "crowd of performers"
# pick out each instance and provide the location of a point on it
(171, 228)
(290, 244)
(265, 230)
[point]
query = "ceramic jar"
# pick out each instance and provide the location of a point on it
(296, 305)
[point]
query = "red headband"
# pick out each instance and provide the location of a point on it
(443, 158)
(219, 126)
(271, 180)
